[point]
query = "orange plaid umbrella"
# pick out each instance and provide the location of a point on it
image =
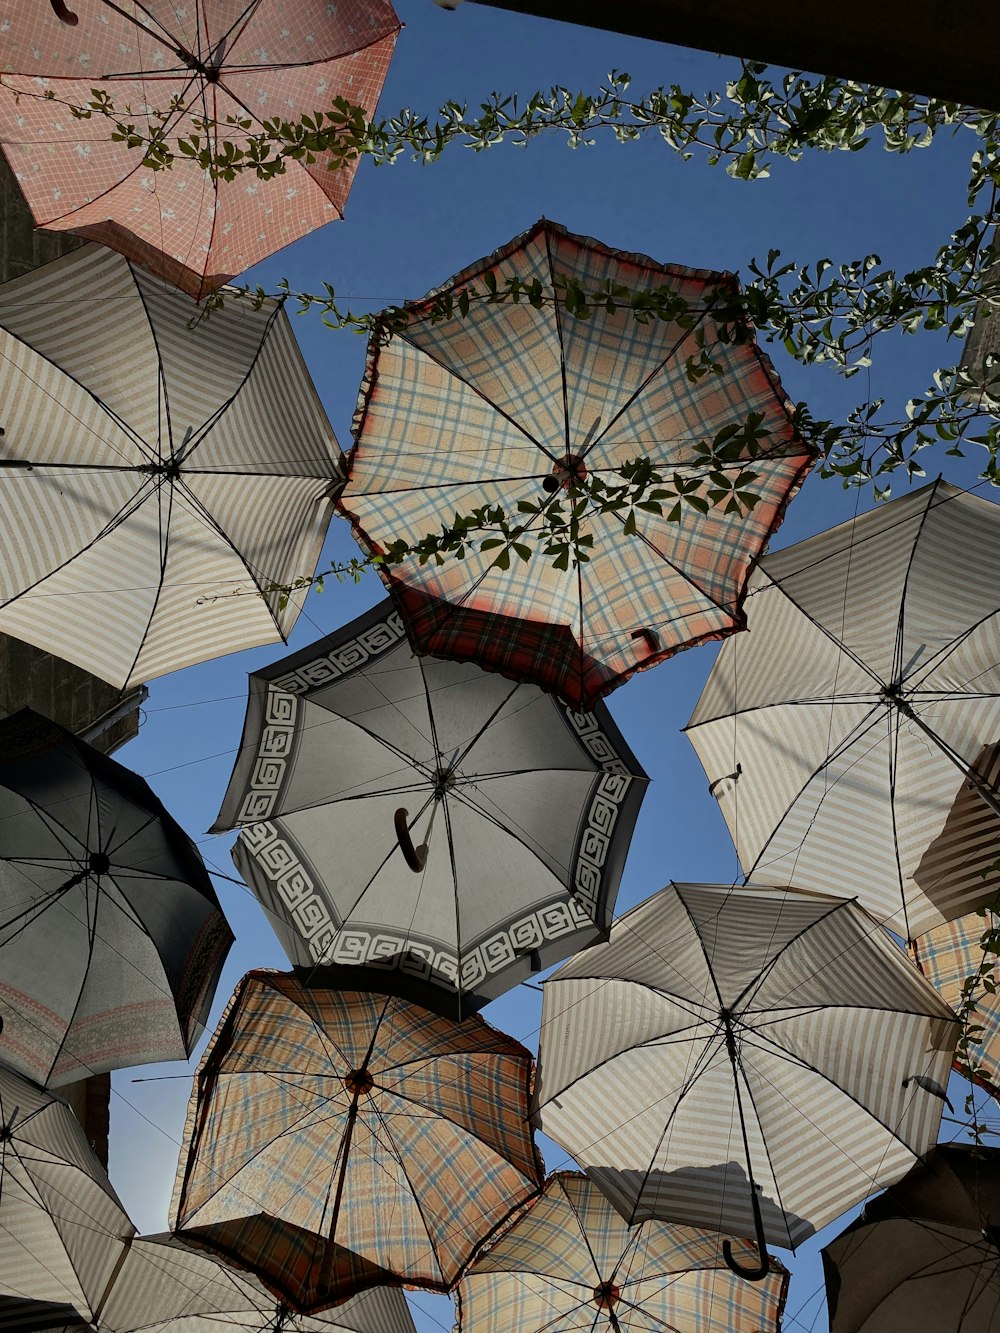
(340, 1139)
(248, 59)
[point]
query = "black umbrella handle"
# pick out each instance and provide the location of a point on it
(415, 857)
(759, 1271)
(63, 14)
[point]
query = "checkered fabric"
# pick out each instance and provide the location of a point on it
(474, 410)
(218, 59)
(947, 956)
(339, 1139)
(572, 1262)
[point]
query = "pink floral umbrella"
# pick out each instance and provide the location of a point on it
(209, 60)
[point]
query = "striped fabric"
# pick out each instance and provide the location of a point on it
(526, 836)
(462, 412)
(851, 737)
(840, 1045)
(62, 1226)
(338, 1139)
(175, 472)
(164, 1285)
(571, 1262)
(948, 956)
(218, 60)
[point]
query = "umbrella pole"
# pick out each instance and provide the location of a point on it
(759, 1271)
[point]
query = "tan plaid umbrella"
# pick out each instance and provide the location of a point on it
(339, 1139)
(513, 403)
(247, 59)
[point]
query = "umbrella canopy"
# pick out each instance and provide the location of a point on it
(926, 1254)
(513, 403)
(149, 471)
(61, 1224)
(950, 956)
(164, 1286)
(571, 1263)
(250, 60)
(525, 809)
(96, 874)
(733, 1058)
(339, 1139)
(837, 733)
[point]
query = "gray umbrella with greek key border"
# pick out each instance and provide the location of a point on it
(425, 818)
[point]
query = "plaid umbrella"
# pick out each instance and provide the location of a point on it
(150, 471)
(512, 403)
(62, 1226)
(249, 60)
(95, 874)
(339, 1139)
(164, 1286)
(525, 809)
(851, 737)
(742, 1059)
(926, 1253)
(571, 1263)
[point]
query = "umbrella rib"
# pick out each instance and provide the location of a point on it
(727, 608)
(463, 798)
(897, 656)
(436, 1112)
(753, 987)
(559, 337)
(893, 764)
(68, 1025)
(164, 543)
(377, 871)
(848, 652)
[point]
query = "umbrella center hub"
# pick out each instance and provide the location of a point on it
(566, 473)
(170, 469)
(892, 696)
(99, 863)
(444, 780)
(208, 72)
(358, 1082)
(607, 1295)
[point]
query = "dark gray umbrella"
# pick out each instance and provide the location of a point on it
(923, 1255)
(111, 936)
(354, 750)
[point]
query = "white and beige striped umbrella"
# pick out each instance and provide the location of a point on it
(850, 736)
(62, 1227)
(742, 1059)
(151, 471)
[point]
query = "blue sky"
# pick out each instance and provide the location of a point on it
(408, 228)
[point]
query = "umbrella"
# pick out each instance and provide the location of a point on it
(511, 404)
(924, 1254)
(950, 956)
(836, 734)
(742, 1060)
(150, 470)
(339, 1139)
(571, 1263)
(165, 1285)
(61, 1224)
(95, 875)
(525, 809)
(249, 60)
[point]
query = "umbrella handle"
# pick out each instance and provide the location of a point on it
(415, 857)
(759, 1271)
(63, 14)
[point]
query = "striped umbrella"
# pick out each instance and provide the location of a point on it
(516, 402)
(163, 1286)
(524, 808)
(96, 874)
(232, 63)
(149, 471)
(62, 1226)
(571, 1263)
(850, 737)
(926, 1253)
(742, 1060)
(338, 1139)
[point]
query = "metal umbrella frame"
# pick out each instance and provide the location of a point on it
(111, 936)
(339, 1139)
(850, 737)
(516, 401)
(750, 1061)
(151, 472)
(408, 813)
(571, 1262)
(229, 65)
